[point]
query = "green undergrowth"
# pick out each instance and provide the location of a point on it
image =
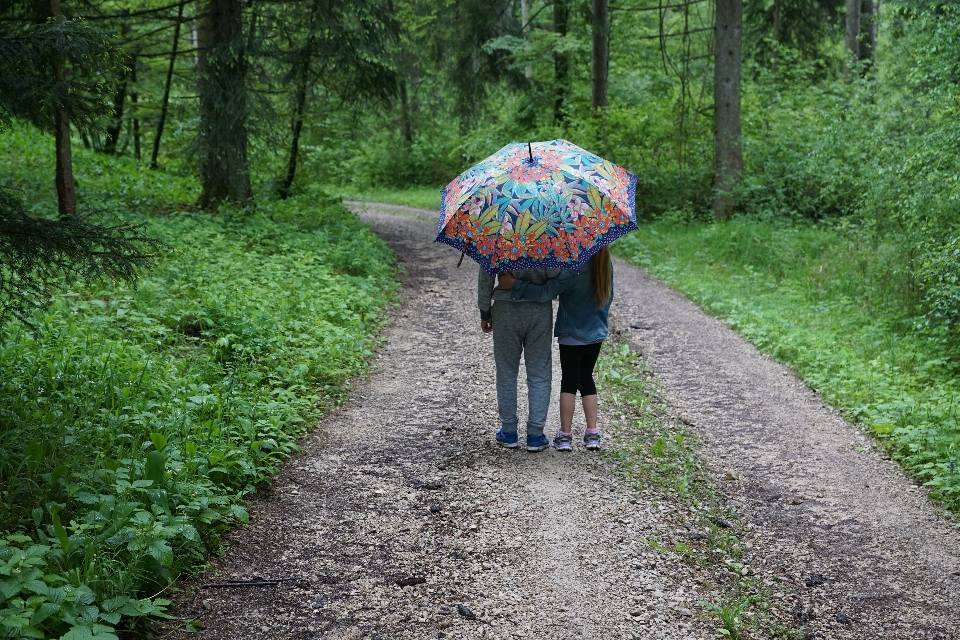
(134, 421)
(655, 450)
(834, 304)
(420, 197)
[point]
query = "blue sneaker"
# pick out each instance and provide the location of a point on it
(508, 440)
(537, 443)
(563, 441)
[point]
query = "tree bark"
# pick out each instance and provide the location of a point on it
(112, 132)
(525, 31)
(224, 172)
(561, 61)
(165, 101)
(66, 190)
(600, 57)
(852, 39)
(869, 15)
(300, 103)
(134, 98)
(406, 125)
(728, 150)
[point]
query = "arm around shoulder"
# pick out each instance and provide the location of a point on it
(542, 293)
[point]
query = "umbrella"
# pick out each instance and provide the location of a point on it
(540, 205)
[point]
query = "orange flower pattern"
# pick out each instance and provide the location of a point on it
(552, 205)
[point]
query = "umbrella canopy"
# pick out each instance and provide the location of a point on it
(540, 205)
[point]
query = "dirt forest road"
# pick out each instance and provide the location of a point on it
(402, 519)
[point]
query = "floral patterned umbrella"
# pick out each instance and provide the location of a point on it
(540, 205)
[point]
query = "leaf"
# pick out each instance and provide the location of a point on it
(35, 455)
(537, 229)
(593, 197)
(156, 467)
(488, 214)
(86, 632)
(523, 223)
(159, 441)
(60, 531)
(491, 228)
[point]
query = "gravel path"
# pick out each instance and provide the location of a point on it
(849, 533)
(404, 484)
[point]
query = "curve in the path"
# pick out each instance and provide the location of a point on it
(536, 545)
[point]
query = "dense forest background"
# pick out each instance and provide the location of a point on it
(846, 115)
(799, 176)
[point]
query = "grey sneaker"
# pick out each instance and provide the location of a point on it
(591, 441)
(563, 441)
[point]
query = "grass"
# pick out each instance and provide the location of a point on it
(825, 301)
(134, 421)
(420, 197)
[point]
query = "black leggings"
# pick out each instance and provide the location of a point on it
(576, 368)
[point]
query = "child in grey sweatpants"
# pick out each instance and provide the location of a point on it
(519, 327)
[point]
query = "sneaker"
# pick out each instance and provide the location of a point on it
(537, 443)
(508, 440)
(592, 441)
(563, 441)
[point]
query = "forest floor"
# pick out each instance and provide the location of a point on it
(404, 484)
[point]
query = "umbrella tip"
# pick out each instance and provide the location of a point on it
(530, 151)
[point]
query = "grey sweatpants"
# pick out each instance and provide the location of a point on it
(523, 328)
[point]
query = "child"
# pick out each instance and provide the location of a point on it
(581, 328)
(519, 328)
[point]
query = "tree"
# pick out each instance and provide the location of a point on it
(36, 252)
(342, 48)
(165, 100)
(600, 57)
(561, 60)
(224, 172)
(728, 151)
(852, 35)
(869, 23)
(52, 74)
(807, 26)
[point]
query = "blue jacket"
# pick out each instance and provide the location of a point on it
(577, 317)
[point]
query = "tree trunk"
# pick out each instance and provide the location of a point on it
(525, 31)
(852, 40)
(113, 129)
(165, 101)
(776, 36)
(300, 103)
(869, 16)
(601, 49)
(134, 97)
(561, 61)
(224, 172)
(728, 151)
(66, 191)
(406, 126)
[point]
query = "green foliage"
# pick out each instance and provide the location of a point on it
(134, 422)
(28, 89)
(663, 455)
(422, 197)
(730, 616)
(826, 301)
(36, 254)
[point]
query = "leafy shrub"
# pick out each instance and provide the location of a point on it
(134, 421)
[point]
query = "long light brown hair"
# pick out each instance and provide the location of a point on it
(601, 273)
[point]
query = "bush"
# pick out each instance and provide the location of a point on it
(133, 422)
